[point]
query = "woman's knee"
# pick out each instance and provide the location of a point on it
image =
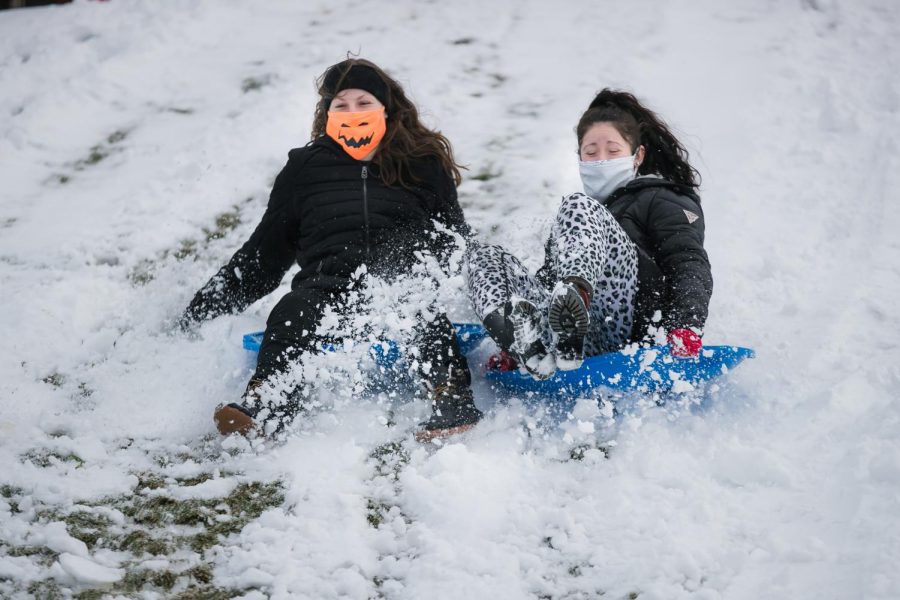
(480, 255)
(578, 208)
(296, 315)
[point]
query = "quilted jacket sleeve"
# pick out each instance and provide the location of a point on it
(258, 267)
(676, 231)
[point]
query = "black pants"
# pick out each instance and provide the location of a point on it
(291, 331)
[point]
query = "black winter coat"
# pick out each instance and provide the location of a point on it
(331, 214)
(665, 221)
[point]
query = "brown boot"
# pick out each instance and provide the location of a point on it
(238, 418)
(231, 418)
(454, 411)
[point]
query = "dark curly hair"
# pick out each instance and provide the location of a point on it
(406, 139)
(640, 126)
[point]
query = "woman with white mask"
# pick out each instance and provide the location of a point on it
(624, 261)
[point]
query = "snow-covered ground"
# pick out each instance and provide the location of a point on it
(138, 141)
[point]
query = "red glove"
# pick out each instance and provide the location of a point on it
(684, 343)
(502, 362)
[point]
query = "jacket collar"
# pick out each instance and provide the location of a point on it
(652, 181)
(326, 143)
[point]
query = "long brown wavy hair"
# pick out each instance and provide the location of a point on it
(406, 138)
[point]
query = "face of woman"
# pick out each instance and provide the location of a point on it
(604, 142)
(354, 100)
(360, 138)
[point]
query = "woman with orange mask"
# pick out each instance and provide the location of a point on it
(362, 197)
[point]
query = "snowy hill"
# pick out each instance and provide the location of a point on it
(138, 142)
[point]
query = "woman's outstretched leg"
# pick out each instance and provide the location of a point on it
(290, 331)
(510, 302)
(595, 265)
(444, 372)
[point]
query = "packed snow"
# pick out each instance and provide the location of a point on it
(138, 143)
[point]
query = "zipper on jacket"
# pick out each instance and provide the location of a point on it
(365, 175)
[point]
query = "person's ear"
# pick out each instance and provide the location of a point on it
(639, 156)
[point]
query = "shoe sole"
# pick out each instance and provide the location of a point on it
(526, 322)
(568, 315)
(429, 435)
(230, 420)
(569, 318)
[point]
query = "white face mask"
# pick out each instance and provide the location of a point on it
(602, 177)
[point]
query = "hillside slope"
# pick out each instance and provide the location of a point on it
(138, 142)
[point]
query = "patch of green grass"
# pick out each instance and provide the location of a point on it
(139, 542)
(136, 581)
(251, 499)
(201, 574)
(208, 594)
(55, 379)
(188, 248)
(9, 491)
(245, 503)
(44, 458)
(487, 172)
(150, 481)
(158, 511)
(142, 273)
(116, 136)
(376, 512)
(252, 84)
(378, 582)
(225, 222)
(46, 589)
(14, 506)
(96, 155)
(40, 554)
(192, 481)
(155, 525)
(87, 527)
(389, 458)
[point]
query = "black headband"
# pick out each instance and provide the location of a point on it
(361, 77)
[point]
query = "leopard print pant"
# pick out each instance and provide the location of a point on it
(586, 242)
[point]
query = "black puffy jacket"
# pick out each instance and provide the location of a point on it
(665, 221)
(331, 214)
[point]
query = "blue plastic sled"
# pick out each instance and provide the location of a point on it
(651, 369)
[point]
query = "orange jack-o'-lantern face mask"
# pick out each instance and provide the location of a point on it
(358, 133)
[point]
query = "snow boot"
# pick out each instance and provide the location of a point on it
(516, 327)
(454, 410)
(238, 418)
(233, 418)
(569, 318)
